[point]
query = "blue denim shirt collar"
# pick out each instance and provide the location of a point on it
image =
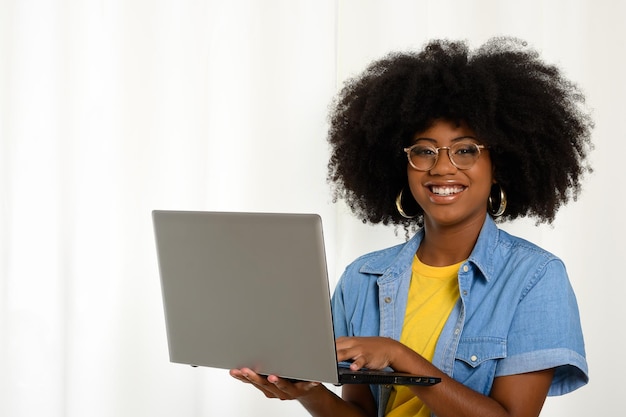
(388, 267)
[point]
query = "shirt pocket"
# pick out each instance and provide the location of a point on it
(475, 351)
(477, 360)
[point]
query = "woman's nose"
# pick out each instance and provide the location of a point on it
(443, 164)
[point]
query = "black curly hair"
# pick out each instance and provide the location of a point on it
(531, 118)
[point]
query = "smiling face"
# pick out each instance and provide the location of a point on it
(448, 195)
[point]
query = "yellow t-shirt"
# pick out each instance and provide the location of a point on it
(433, 293)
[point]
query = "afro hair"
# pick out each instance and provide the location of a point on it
(525, 111)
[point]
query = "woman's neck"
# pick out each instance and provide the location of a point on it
(443, 245)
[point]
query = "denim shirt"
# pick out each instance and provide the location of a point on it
(516, 312)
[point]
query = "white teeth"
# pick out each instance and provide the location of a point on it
(446, 190)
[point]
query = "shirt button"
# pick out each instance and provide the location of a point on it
(465, 268)
(387, 300)
(474, 358)
(457, 331)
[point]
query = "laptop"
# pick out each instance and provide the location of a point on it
(251, 290)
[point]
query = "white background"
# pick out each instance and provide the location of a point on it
(109, 109)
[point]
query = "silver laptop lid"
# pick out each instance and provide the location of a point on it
(247, 289)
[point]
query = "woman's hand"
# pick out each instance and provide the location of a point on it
(314, 397)
(274, 387)
(369, 352)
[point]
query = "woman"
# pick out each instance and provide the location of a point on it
(447, 142)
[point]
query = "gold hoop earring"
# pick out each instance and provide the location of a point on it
(399, 206)
(502, 207)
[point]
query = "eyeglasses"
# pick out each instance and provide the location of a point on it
(463, 155)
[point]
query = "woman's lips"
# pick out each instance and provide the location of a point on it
(446, 190)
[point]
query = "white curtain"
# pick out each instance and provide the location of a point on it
(109, 109)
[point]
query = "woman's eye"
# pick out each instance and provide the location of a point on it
(466, 150)
(423, 151)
